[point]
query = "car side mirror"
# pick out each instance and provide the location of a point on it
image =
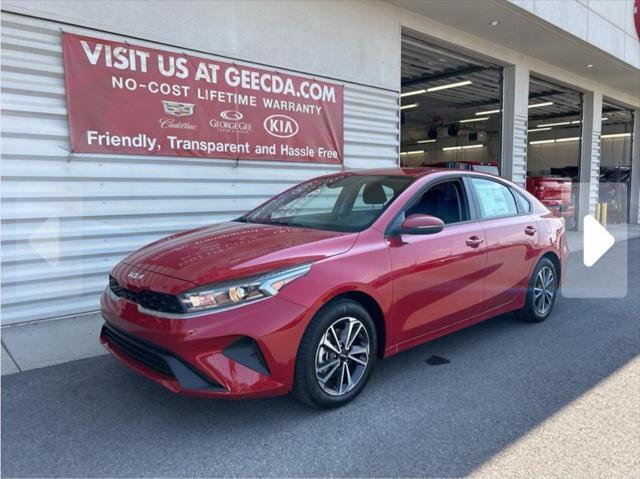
(421, 225)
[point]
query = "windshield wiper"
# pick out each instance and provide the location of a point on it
(286, 223)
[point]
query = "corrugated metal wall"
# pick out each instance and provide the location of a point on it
(67, 219)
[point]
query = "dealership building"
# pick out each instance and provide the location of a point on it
(257, 96)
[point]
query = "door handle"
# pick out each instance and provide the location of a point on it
(474, 241)
(530, 230)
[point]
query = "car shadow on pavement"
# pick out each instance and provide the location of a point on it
(94, 417)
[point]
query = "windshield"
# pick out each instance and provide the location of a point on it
(338, 203)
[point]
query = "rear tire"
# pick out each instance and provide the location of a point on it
(336, 355)
(541, 293)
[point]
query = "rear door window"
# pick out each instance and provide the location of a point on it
(523, 204)
(496, 200)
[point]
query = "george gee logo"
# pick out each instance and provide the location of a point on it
(177, 108)
(230, 122)
(232, 115)
(280, 126)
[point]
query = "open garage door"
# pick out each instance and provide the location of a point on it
(615, 162)
(554, 136)
(451, 108)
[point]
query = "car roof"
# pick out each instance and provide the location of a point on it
(396, 171)
(410, 172)
(423, 172)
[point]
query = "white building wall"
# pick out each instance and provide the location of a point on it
(67, 219)
(606, 24)
(514, 123)
(128, 201)
(590, 155)
(345, 40)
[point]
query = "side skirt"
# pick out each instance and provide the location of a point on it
(410, 343)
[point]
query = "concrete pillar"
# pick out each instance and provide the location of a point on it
(634, 204)
(590, 155)
(515, 115)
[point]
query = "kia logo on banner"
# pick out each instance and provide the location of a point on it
(129, 99)
(281, 126)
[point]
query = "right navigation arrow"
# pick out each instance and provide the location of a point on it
(596, 241)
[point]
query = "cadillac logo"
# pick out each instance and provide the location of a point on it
(176, 108)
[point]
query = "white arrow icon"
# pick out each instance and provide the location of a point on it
(596, 241)
(46, 241)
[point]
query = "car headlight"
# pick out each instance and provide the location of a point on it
(241, 291)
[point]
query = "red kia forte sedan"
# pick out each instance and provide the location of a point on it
(306, 292)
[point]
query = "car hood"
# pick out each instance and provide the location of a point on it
(232, 250)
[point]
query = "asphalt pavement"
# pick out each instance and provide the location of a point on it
(504, 383)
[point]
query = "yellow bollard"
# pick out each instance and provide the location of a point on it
(598, 212)
(603, 214)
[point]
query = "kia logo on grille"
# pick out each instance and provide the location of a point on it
(231, 115)
(280, 126)
(135, 275)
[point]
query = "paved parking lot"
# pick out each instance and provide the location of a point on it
(506, 388)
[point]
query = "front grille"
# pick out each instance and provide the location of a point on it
(162, 302)
(137, 350)
(160, 360)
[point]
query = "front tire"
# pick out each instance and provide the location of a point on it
(336, 355)
(541, 294)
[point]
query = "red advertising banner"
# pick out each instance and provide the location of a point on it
(128, 99)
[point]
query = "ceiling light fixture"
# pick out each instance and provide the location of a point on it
(538, 129)
(538, 105)
(410, 105)
(495, 23)
(426, 141)
(415, 92)
(469, 120)
(450, 85)
(616, 135)
(488, 112)
(590, 65)
(561, 123)
(555, 140)
(466, 147)
(577, 122)
(414, 152)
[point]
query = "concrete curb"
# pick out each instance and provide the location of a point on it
(45, 343)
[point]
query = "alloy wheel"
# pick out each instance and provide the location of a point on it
(342, 356)
(544, 290)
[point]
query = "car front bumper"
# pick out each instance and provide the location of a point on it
(248, 351)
